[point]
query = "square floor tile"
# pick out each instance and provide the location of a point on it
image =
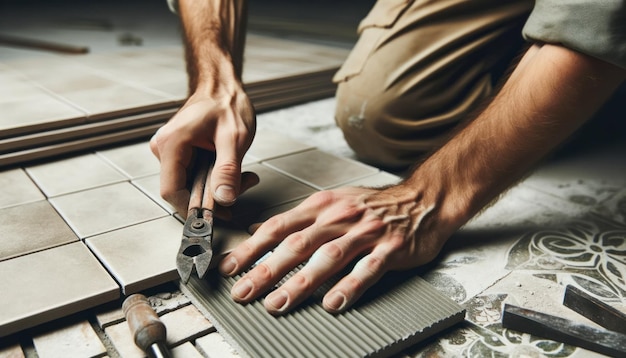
(135, 160)
(115, 99)
(321, 170)
(151, 186)
(50, 284)
(273, 189)
(78, 340)
(268, 144)
(140, 256)
(377, 180)
(31, 227)
(74, 174)
(38, 112)
(107, 208)
(16, 188)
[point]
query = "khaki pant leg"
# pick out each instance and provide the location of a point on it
(418, 68)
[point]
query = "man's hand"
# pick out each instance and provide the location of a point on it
(552, 91)
(390, 229)
(218, 116)
(225, 126)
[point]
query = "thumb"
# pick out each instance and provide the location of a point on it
(226, 178)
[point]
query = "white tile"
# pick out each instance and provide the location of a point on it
(50, 284)
(140, 256)
(17, 188)
(320, 169)
(214, 346)
(135, 160)
(77, 340)
(185, 350)
(73, 174)
(185, 324)
(151, 185)
(269, 144)
(107, 208)
(31, 227)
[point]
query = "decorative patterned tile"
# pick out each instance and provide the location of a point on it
(319, 169)
(273, 189)
(16, 188)
(269, 144)
(50, 284)
(107, 208)
(73, 174)
(140, 256)
(77, 340)
(31, 227)
(151, 185)
(134, 160)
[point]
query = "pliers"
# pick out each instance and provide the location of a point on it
(196, 245)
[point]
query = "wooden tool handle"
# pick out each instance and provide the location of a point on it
(145, 325)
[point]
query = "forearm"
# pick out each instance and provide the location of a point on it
(549, 95)
(214, 32)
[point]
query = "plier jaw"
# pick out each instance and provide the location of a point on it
(196, 246)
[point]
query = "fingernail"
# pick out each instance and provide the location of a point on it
(336, 301)
(225, 194)
(228, 266)
(242, 288)
(277, 301)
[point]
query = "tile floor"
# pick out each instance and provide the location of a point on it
(564, 224)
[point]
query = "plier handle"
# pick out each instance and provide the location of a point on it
(196, 246)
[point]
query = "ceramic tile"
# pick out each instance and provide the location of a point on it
(31, 227)
(185, 324)
(15, 86)
(72, 81)
(258, 217)
(116, 99)
(20, 115)
(135, 160)
(77, 340)
(150, 185)
(16, 188)
(379, 179)
(320, 169)
(214, 346)
(107, 208)
(273, 189)
(50, 284)
(140, 256)
(268, 144)
(13, 351)
(122, 339)
(73, 174)
(185, 350)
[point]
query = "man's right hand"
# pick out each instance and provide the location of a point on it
(222, 123)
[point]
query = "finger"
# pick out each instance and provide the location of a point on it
(173, 179)
(329, 259)
(226, 175)
(267, 237)
(350, 288)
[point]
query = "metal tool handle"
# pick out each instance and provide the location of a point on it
(200, 193)
(148, 331)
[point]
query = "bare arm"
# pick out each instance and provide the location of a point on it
(218, 115)
(550, 94)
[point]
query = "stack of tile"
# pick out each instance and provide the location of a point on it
(78, 103)
(84, 230)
